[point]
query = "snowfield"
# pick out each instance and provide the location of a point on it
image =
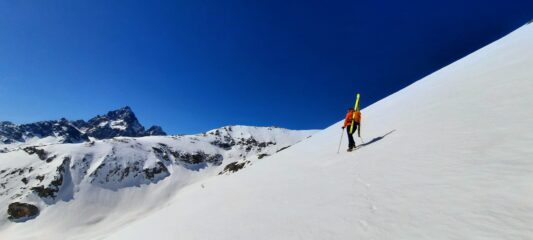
(449, 157)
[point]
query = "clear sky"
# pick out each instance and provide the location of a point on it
(191, 66)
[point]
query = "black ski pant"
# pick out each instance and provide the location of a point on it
(351, 142)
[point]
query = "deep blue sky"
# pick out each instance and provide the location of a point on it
(190, 66)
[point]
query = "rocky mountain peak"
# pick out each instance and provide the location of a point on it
(117, 123)
(155, 131)
(124, 113)
(120, 122)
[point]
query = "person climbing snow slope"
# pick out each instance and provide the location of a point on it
(352, 117)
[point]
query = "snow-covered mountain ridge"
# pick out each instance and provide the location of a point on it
(56, 174)
(118, 123)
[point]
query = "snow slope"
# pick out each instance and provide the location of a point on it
(86, 190)
(449, 157)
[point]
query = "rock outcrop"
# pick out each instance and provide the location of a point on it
(21, 211)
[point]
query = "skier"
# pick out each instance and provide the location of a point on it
(352, 117)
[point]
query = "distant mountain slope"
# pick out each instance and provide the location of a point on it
(81, 185)
(449, 157)
(118, 123)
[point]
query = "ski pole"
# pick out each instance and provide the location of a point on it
(339, 149)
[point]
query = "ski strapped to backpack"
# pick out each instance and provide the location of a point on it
(356, 108)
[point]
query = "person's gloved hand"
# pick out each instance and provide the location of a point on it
(342, 127)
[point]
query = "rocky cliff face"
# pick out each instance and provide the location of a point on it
(61, 129)
(118, 123)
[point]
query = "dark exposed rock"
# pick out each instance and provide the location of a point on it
(44, 192)
(252, 142)
(150, 173)
(40, 178)
(43, 155)
(50, 159)
(157, 150)
(233, 167)
(198, 157)
(52, 189)
(262, 155)
(16, 170)
(162, 151)
(226, 145)
(155, 131)
(20, 211)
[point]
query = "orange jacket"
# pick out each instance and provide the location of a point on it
(349, 116)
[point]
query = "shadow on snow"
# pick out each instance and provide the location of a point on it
(374, 140)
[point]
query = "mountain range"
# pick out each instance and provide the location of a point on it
(118, 123)
(45, 165)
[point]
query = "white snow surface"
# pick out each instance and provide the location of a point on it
(449, 157)
(105, 185)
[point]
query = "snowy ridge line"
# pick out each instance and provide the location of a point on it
(56, 175)
(120, 122)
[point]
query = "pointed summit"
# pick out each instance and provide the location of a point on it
(126, 110)
(120, 122)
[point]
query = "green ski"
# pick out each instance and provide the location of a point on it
(356, 108)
